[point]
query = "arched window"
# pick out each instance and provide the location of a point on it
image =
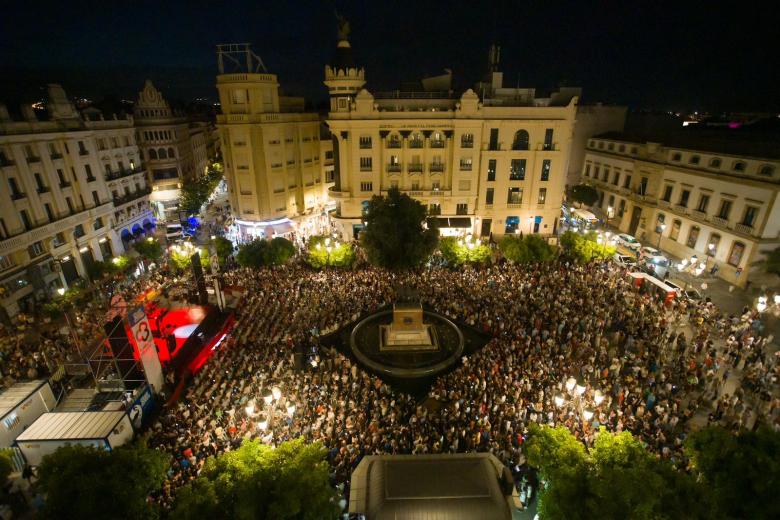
(739, 166)
(677, 157)
(521, 140)
(152, 153)
(715, 162)
(767, 170)
(737, 250)
(694, 159)
(712, 244)
(171, 155)
(693, 237)
(162, 153)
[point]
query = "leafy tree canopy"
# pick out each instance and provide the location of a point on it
(87, 482)
(259, 253)
(583, 248)
(324, 251)
(742, 471)
(149, 249)
(195, 193)
(529, 248)
(258, 481)
(223, 247)
(458, 251)
(394, 236)
(584, 194)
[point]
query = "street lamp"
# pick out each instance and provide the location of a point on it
(530, 224)
(559, 400)
(598, 397)
(761, 305)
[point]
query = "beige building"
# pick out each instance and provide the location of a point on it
(271, 150)
(488, 164)
(73, 192)
(174, 148)
(704, 194)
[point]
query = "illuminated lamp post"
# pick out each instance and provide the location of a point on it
(662, 227)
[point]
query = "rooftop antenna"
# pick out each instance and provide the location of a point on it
(239, 58)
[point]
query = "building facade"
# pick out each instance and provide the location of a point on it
(487, 164)
(704, 197)
(271, 152)
(74, 192)
(174, 148)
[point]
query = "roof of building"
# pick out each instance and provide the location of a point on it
(429, 487)
(72, 425)
(757, 140)
(15, 395)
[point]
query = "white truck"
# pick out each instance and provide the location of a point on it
(21, 405)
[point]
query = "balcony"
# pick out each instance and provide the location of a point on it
(744, 228)
(700, 214)
(55, 156)
(394, 144)
(33, 159)
(720, 221)
(129, 197)
(514, 205)
(465, 167)
(112, 176)
(664, 204)
(415, 144)
(488, 206)
(624, 191)
(18, 196)
(436, 167)
(437, 144)
(467, 144)
(338, 194)
(365, 146)
(415, 168)
(394, 168)
(681, 208)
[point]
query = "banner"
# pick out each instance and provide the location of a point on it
(147, 351)
(141, 410)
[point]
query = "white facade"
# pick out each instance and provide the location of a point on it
(688, 199)
(73, 187)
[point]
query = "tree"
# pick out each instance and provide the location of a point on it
(742, 471)
(617, 478)
(258, 481)
(5, 467)
(259, 253)
(584, 194)
(150, 250)
(458, 251)
(180, 257)
(223, 247)
(88, 482)
(584, 248)
(194, 194)
(530, 248)
(394, 235)
(323, 251)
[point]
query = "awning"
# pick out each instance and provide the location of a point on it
(283, 228)
(452, 222)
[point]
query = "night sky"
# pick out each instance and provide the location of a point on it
(663, 55)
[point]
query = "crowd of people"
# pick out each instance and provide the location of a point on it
(570, 345)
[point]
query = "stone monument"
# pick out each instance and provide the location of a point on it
(407, 332)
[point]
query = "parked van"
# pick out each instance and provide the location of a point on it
(173, 231)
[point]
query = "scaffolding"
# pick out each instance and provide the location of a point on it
(239, 58)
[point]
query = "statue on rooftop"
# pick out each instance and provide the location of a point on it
(342, 29)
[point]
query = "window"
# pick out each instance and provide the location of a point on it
(739, 166)
(627, 182)
(643, 186)
(416, 141)
(605, 176)
(704, 201)
(514, 196)
(434, 209)
(239, 96)
(693, 237)
(49, 212)
(152, 154)
(712, 244)
(35, 249)
(462, 209)
(491, 170)
(766, 170)
(677, 157)
(668, 193)
(601, 145)
(59, 240)
(88, 170)
(684, 196)
(394, 141)
(675, 231)
(465, 164)
(542, 196)
(548, 139)
(725, 209)
(467, 141)
(493, 144)
(546, 170)
(82, 149)
(621, 207)
(415, 185)
(365, 164)
(26, 222)
(695, 159)
(715, 163)
(98, 223)
(737, 250)
(5, 263)
(622, 148)
(611, 202)
(521, 140)
(436, 185)
(96, 198)
(437, 141)
(517, 170)
(750, 216)
(489, 196)
(78, 231)
(366, 186)
(616, 178)
(70, 205)
(587, 170)
(365, 141)
(39, 183)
